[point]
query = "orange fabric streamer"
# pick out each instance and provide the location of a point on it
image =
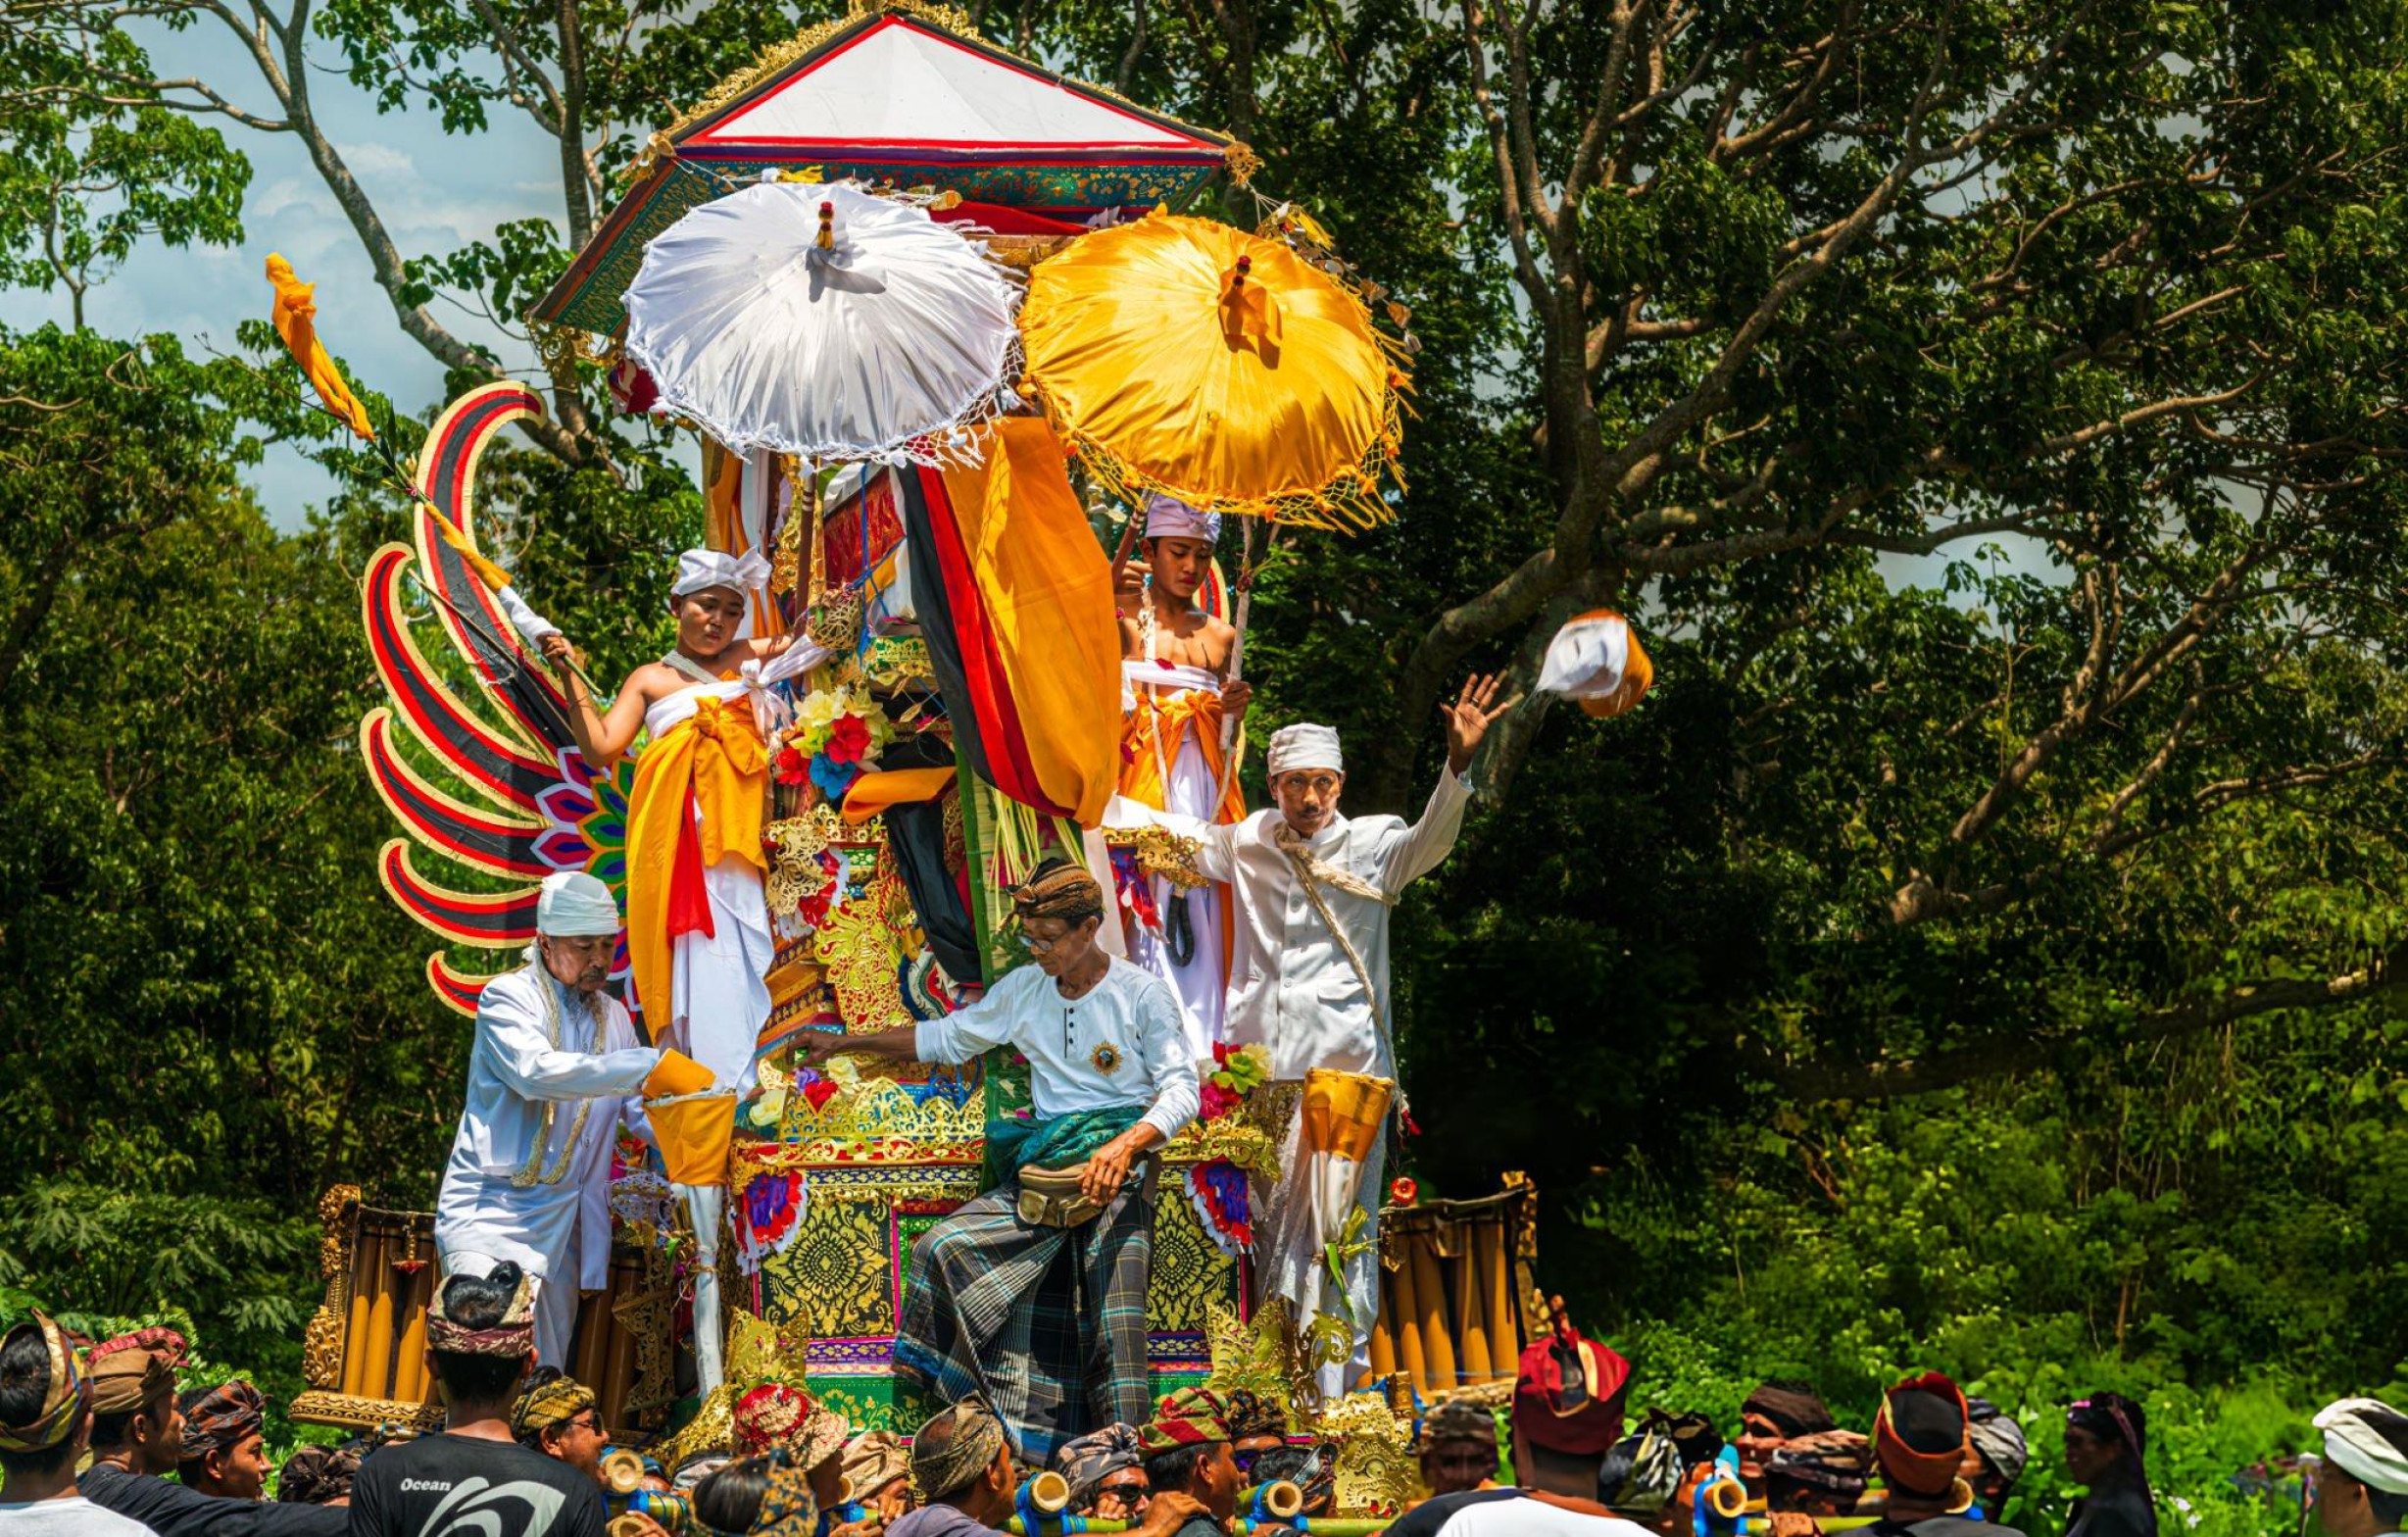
(717, 757)
(875, 791)
(1048, 588)
(295, 319)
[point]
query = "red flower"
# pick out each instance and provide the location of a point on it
(792, 767)
(848, 739)
(1217, 1102)
(819, 1092)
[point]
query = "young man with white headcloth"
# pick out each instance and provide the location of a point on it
(1309, 982)
(1175, 693)
(555, 1070)
(699, 944)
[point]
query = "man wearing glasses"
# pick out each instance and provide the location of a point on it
(1110, 1080)
(554, 1072)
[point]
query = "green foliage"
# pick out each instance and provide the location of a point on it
(1996, 977)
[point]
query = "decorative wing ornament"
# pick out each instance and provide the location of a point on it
(501, 791)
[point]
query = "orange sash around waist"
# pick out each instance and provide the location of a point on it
(712, 761)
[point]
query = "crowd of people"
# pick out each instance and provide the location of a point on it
(95, 1439)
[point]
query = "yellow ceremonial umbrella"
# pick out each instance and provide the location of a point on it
(1183, 356)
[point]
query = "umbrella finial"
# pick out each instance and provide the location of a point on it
(827, 227)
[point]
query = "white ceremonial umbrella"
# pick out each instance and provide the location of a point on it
(890, 342)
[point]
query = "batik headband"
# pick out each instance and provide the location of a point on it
(63, 1401)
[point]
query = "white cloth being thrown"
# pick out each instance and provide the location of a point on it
(549, 1086)
(2356, 1442)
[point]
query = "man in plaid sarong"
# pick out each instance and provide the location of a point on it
(1047, 1318)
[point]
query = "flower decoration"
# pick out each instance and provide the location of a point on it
(1218, 1184)
(1236, 1073)
(837, 735)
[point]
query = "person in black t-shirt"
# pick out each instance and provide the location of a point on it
(473, 1478)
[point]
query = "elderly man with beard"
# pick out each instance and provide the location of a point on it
(1110, 1080)
(554, 1074)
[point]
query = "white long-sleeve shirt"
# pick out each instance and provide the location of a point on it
(1120, 1044)
(1291, 987)
(513, 1071)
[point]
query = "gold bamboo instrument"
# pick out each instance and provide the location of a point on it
(1469, 1308)
(354, 1329)
(1430, 1292)
(1410, 1353)
(377, 1379)
(1497, 1281)
(1383, 1340)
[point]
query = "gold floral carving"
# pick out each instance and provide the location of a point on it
(857, 946)
(1376, 1471)
(318, 1407)
(867, 1109)
(322, 1343)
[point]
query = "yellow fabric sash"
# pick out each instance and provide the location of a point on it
(1343, 1112)
(715, 755)
(1160, 720)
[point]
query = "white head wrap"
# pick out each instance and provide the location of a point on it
(575, 906)
(1168, 517)
(701, 569)
(1304, 747)
(2356, 1442)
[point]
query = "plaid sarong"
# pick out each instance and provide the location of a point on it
(1048, 1322)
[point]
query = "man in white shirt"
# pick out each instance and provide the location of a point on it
(46, 1427)
(1110, 1080)
(555, 1072)
(1309, 981)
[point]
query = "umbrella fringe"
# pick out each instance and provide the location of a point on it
(1350, 504)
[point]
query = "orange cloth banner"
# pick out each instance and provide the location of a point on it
(1047, 589)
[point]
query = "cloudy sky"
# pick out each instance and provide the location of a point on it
(435, 194)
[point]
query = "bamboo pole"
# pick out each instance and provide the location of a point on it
(1496, 1280)
(1470, 1309)
(1383, 1332)
(379, 1374)
(1410, 1351)
(355, 1328)
(1430, 1291)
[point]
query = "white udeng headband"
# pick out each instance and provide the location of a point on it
(701, 569)
(1304, 747)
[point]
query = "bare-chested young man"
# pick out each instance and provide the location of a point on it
(1175, 694)
(698, 936)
